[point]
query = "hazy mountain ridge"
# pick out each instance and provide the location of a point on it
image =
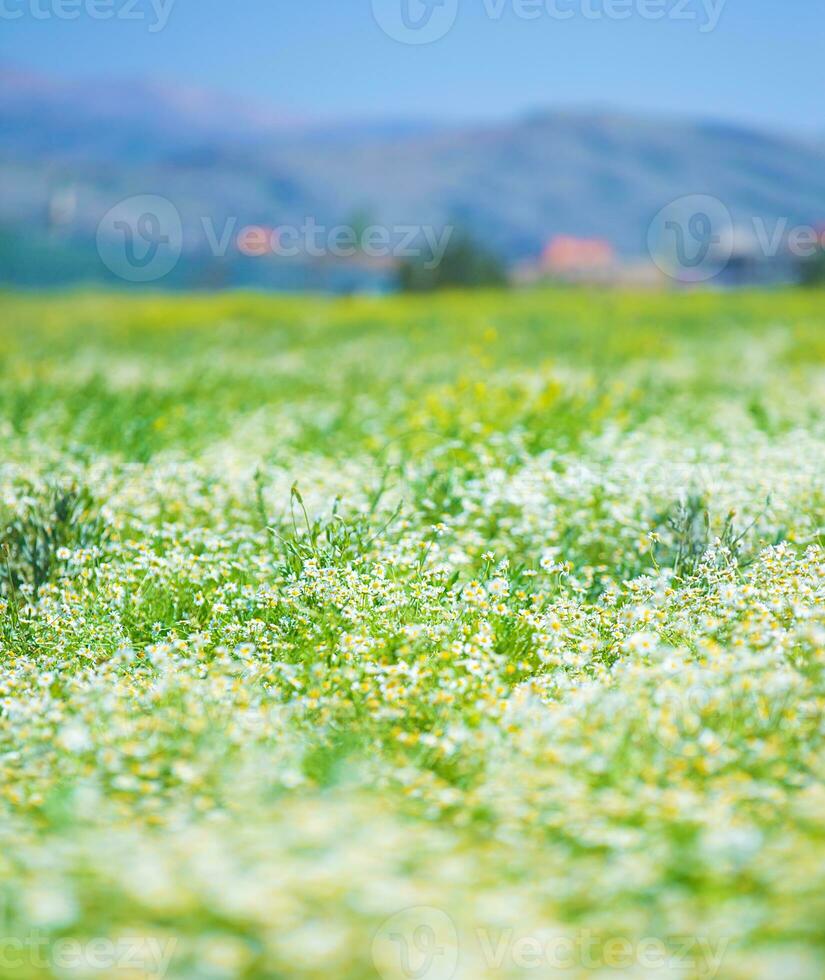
(514, 184)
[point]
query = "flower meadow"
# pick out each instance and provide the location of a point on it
(459, 637)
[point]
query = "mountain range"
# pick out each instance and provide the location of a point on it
(512, 184)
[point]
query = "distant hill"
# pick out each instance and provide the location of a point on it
(512, 184)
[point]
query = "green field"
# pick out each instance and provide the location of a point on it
(472, 636)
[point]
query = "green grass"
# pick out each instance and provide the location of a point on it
(503, 608)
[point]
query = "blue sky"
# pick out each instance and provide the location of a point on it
(762, 62)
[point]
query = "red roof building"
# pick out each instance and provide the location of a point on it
(566, 255)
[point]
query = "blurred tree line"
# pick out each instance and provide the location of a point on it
(465, 265)
(812, 270)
